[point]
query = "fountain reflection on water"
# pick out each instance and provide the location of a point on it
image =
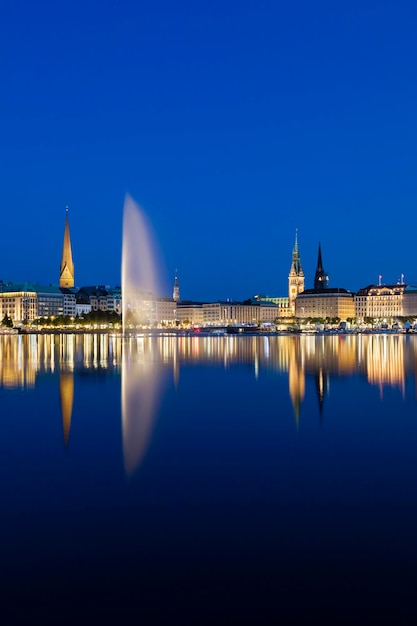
(141, 390)
(141, 376)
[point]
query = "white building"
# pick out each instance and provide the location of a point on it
(28, 301)
(190, 313)
(19, 306)
(236, 313)
(381, 302)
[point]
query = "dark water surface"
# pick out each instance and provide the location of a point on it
(222, 479)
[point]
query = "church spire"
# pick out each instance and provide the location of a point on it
(176, 291)
(296, 261)
(319, 261)
(66, 273)
(321, 279)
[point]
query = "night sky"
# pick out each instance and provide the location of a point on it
(231, 123)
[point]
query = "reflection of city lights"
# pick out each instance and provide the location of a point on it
(385, 360)
(23, 357)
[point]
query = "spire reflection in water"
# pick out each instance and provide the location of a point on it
(66, 393)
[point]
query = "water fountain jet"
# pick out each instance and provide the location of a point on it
(140, 275)
(141, 371)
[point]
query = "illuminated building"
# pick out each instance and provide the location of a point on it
(164, 310)
(54, 301)
(66, 274)
(380, 301)
(20, 305)
(283, 309)
(147, 309)
(190, 312)
(98, 298)
(410, 302)
(210, 313)
(324, 302)
(295, 277)
(329, 303)
(25, 302)
(237, 313)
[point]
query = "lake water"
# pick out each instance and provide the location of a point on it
(207, 477)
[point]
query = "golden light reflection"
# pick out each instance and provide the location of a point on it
(384, 360)
(296, 378)
(66, 393)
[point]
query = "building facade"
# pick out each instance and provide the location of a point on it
(380, 302)
(237, 313)
(283, 310)
(99, 298)
(190, 313)
(410, 302)
(323, 302)
(19, 306)
(25, 302)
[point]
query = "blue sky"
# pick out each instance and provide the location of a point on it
(230, 123)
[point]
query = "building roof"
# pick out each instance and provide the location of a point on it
(34, 287)
(94, 290)
(397, 287)
(329, 291)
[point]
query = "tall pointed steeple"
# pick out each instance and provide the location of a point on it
(321, 279)
(66, 273)
(296, 275)
(176, 291)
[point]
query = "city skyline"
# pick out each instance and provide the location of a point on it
(230, 125)
(296, 275)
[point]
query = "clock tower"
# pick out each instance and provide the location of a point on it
(296, 275)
